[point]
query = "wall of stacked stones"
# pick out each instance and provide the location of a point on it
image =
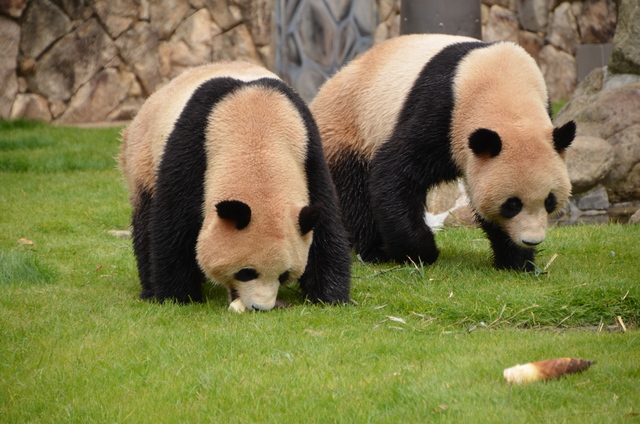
(74, 61)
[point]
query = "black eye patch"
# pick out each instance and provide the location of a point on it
(246, 274)
(550, 203)
(284, 277)
(511, 207)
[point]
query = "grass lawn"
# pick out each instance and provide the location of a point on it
(420, 344)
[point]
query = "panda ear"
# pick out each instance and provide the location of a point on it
(309, 217)
(485, 142)
(563, 136)
(236, 211)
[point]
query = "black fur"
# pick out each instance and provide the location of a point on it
(485, 142)
(415, 158)
(236, 211)
(563, 136)
(308, 218)
(167, 224)
(507, 254)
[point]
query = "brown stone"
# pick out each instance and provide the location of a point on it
(117, 15)
(532, 43)
(258, 17)
(139, 49)
(32, 107)
(72, 61)
(533, 14)
(442, 198)
(9, 39)
(501, 26)
(560, 72)
(44, 23)
(563, 31)
(75, 9)
(222, 13)
(13, 8)
(166, 15)
(96, 99)
(235, 44)
(597, 20)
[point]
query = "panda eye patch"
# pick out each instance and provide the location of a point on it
(284, 277)
(511, 207)
(246, 274)
(550, 203)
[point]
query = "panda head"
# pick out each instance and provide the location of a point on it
(252, 252)
(517, 184)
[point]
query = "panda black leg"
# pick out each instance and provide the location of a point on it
(507, 254)
(351, 177)
(140, 233)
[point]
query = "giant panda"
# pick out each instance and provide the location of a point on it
(419, 110)
(228, 183)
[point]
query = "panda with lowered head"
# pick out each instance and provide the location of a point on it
(419, 110)
(228, 182)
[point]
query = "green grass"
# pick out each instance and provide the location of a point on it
(422, 343)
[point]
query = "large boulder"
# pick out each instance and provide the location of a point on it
(502, 25)
(9, 40)
(605, 105)
(589, 161)
(625, 58)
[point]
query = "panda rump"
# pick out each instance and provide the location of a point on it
(228, 183)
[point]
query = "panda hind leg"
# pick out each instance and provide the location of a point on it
(141, 244)
(507, 254)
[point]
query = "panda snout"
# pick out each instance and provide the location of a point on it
(531, 243)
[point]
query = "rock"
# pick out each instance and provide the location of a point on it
(501, 26)
(235, 44)
(191, 45)
(532, 43)
(97, 98)
(443, 197)
(602, 107)
(44, 23)
(75, 9)
(533, 14)
(32, 107)
(386, 7)
(222, 13)
(9, 40)
(71, 62)
(635, 218)
(596, 199)
(589, 161)
(165, 16)
(257, 15)
(625, 58)
(597, 21)
(560, 72)
(139, 48)
(127, 110)
(117, 15)
(13, 8)
(563, 31)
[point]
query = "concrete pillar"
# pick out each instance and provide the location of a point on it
(456, 17)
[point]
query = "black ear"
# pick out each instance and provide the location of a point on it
(563, 136)
(236, 211)
(309, 217)
(485, 142)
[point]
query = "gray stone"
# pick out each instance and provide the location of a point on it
(75, 9)
(127, 110)
(386, 8)
(501, 26)
(13, 8)
(44, 23)
(10, 40)
(589, 161)
(560, 72)
(563, 31)
(596, 199)
(71, 62)
(222, 13)
(635, 218)
(117, 15)
(258, 17)
(96, 99)
(32, 107)
(597, 21)
(139, 49)
(533, 14)
(625, 58)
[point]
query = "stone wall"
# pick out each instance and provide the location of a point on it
(72, 61)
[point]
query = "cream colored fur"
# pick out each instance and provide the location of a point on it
(256, 146)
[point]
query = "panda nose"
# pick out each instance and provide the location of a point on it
(531, 243)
